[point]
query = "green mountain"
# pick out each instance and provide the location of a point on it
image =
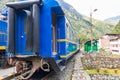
(81, 24)
(116, 29)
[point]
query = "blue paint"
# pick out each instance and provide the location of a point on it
(61, 26)
(46, 10)
(46, 27)
(20, 34)
(3, 33)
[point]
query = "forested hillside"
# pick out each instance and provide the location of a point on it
(116, 29)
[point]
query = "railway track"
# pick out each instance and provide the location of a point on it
(41, 75)
(48, 75)
(38, 75)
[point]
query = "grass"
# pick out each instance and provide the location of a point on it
(104, 71)
(113, 56)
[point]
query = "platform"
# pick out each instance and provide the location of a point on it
(4, 73)
(79, 73)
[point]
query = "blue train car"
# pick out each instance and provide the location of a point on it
(3, 43)
(3, 35)
(40, 34)
(70, 41)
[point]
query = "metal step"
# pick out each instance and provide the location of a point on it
(62, 68)
(58, 61)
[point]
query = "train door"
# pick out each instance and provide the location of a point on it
(54, 33)
(21, 29)
(23, 22)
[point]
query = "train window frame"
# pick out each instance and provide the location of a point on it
(72, 34)
(67, 31)
(26, 24)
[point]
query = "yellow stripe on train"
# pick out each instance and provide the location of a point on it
(68, 55)
(65, 40)
(2, 47)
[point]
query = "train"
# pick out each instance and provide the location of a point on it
(3, 40)
(39, 36)
(4, 55)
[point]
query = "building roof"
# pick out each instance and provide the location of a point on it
(113, 34)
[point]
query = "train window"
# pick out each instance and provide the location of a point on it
(54, 28)
(67, 31)
(25, 25)
(66, 24)
(70, 33)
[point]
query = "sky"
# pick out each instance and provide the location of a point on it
(105, 8)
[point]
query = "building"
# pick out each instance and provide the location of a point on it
(107, 42)
(115, 45)
(104, 42)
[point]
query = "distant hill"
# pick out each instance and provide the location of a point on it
(81, 23)
(113, 19)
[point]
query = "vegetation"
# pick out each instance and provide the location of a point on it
(81, 24)
(2, 3)
(82, 27)
(116, 30)
(102, 51)
(104, 71)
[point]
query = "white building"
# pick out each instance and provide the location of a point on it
(110, 42)
(115, 45)
(104, 42)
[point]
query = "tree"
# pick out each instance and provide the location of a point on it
(116, 30)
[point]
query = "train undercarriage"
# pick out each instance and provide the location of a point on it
(31, 64)
(3, 59)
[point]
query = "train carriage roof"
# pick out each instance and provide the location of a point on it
(23, 4)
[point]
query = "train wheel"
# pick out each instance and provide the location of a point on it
(19, 67)
(35, 66)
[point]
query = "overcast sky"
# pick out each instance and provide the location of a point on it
(106, 8)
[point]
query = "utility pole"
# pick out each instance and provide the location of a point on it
(91, 13)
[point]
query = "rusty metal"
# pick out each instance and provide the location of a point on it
(21, 66)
